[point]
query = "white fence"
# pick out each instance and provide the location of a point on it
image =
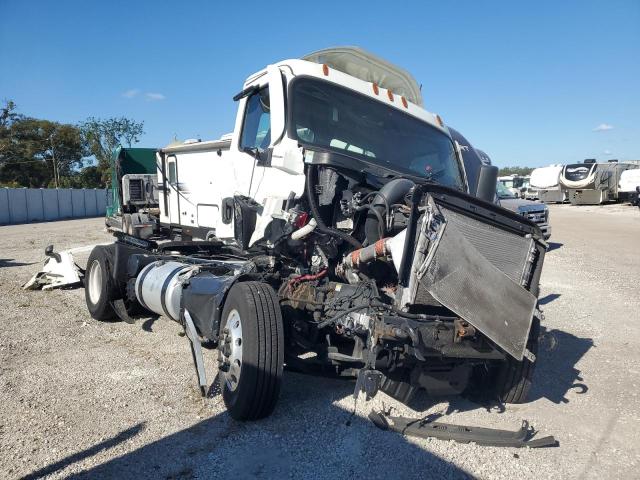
(24, 205)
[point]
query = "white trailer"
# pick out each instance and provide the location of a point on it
(629, 185)
(546, 181)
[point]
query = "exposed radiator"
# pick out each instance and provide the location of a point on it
(507, 251)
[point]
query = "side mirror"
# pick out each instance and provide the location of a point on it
(487, 180)
(50, 253)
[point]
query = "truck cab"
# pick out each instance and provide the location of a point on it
(344, 101)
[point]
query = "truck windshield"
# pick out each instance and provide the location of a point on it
(331, 117)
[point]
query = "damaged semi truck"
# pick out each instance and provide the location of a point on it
(334, 232)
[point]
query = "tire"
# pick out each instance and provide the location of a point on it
(514, 378)
(98, 285)
(250, 382)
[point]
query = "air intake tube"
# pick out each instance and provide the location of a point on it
(311, 181)
(391, 193)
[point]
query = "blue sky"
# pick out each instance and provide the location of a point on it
(531, 83)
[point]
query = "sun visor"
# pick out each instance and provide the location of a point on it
(368, 67)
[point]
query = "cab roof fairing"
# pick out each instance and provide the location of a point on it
(295, 67)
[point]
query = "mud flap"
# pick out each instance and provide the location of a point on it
(463, 433)
(196, 351)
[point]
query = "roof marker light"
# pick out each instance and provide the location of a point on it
(376, 90)
(325, 69)
(440, 120)
(404, 102)
(390, 95)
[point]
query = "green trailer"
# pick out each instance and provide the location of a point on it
(133, 202)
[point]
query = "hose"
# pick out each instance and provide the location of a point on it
(390, 193)
(311, 180)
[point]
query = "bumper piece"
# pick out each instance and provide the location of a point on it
(462, 433)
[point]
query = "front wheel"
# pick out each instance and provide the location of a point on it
(515, 378)
(251, 351)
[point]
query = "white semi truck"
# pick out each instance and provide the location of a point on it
(334, 232)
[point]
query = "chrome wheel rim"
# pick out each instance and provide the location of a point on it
(95, 282)
(234, 343)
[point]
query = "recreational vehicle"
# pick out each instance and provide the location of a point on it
(546, 182)
(628, 185)
(592, 183)
(517, 184)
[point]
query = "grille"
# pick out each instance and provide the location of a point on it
(136, 190)
(535, 217)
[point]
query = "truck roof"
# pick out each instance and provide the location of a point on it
(135, 160)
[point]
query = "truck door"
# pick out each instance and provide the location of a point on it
(172, 190)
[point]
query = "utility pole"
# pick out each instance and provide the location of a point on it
(53, 159)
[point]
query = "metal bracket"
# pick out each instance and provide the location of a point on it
(196, 351)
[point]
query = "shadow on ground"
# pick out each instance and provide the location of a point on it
(554, 246)
(556, 373)
(9, 262)
(548, 298)
(308, 435)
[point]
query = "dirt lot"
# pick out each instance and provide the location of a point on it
(79, 398)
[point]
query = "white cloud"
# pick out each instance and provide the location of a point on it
(153, 97)
(131, 93)
(607, 152)
(603, 127)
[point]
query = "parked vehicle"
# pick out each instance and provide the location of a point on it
(545, 181)
(132, 206)
(627, 187)
(518, 184)
(537, 212)
(592, 183)
(334, 232)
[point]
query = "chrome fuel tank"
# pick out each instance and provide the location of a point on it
(159, 287)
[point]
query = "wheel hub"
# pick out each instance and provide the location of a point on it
(95, 282)
(230, 360)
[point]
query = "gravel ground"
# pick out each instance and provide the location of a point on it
(80, 398)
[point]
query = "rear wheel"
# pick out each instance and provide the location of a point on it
(251, 351)
(98, 285)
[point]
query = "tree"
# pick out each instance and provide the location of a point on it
(516, 170)
(37, 153)
(103, 136)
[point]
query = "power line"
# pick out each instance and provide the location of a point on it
(24, 161)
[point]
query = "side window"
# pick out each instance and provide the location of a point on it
(256, 127)
(172, 172)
